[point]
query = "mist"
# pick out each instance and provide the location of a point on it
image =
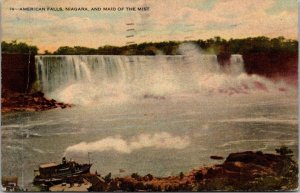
(114, 80)
(159, 140)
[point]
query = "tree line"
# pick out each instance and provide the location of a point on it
(214, 45)
(15, 47)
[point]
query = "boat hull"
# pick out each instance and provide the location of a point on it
(62, 176)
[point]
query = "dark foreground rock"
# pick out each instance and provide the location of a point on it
(243, 171)
(28, 102)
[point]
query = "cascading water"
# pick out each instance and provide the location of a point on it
(82, 79)
(149, 112)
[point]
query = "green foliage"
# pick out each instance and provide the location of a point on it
(181, 175)
(18, 48)
(213, 45)
(264, 183)
(284, 151)
(107, 178)
(47, 52)
(77, 50)
(285, 178)
(217, 184)
(136, 176)
(262, 45)
(273, 182)
(198, 176)
(148, 177)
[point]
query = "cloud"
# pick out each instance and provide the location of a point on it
(280, 6)
(204, 5)
(161, 140)
(220, 26)
(166, 20)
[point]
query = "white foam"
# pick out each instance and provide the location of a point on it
(161, 140)
(109, 80)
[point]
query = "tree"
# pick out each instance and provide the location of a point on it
(18, 48)
(47, 52)
(107, 178)
(284, 151)
(181, 175)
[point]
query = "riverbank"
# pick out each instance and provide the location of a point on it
(14, 101)
(245, 171)
(242, 171)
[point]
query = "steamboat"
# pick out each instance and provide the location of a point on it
(52, 173)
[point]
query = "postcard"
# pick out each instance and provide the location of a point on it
(145, 95)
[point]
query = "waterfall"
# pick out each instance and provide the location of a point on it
(54, 72)
(85, 78)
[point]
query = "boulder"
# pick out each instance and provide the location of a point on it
(252, 157)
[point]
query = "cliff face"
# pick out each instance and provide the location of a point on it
(271, 64)
(224, 58)
(18, 76)
(267, 64)
(283, 66)
(18, 72)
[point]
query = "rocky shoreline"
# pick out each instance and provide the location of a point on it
(14, 101)
(242, 171)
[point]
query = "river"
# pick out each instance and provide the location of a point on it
(148, 124)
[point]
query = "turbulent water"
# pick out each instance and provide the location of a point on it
(85, 79)
(96, 80)
(148, 114)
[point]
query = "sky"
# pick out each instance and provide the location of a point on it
(163, 20)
